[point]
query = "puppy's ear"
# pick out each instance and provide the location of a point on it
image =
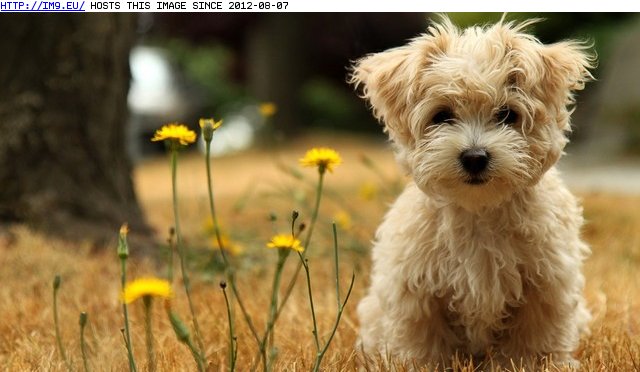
(385, 81)
(388, 78)
(567, 66)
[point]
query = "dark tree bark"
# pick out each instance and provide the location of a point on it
(277, 66)
(63, 111)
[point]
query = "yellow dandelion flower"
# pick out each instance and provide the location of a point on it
(343, 220)
(321, 157)
(228, 245)
(145, 287)
(175, 132)
(368, 191)
(267, 109)
(285, 241)
(234, 248)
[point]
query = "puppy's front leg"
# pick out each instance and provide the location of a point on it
(547, 329)
(398, 323)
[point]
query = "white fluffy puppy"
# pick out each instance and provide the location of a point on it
(481, 254)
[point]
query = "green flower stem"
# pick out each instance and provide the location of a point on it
(233, 346)
(340, 304)
(56, 287)
(229, 271)
(83, 346)
(273, 308)
(127, 334)
(305, 264)
(181, 253)
(335, 259)
(314, 218)
(151, 358)
(316, 208)
(196, 355)
(182, 333)
(292, 282)
(172, 247)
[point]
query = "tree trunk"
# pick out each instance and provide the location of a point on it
(63, 111)
(276, 63)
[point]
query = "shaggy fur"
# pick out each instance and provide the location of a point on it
(488, 263)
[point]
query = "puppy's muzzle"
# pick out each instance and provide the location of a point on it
(475, 161)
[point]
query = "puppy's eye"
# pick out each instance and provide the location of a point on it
(507, 116)
(443, 117)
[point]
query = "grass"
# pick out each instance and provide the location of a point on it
(249, 187)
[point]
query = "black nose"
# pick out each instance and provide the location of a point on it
(474, 161)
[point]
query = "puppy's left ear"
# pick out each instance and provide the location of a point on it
(567, 66)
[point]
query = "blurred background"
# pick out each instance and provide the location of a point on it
(83, 95)
(187, 66)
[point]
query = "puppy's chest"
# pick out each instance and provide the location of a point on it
(476, 272)
(476, 267)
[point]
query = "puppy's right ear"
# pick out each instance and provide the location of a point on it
(389, 79)
(385, 81)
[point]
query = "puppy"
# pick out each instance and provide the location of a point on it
(481, 254)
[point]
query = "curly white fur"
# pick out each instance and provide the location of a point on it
(492, 265)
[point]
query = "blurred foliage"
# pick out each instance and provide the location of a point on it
(209, 67)
(330, 105)
(630, 120)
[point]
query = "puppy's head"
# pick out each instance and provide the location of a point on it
(476, 114)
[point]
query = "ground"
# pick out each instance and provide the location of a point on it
(249, 187)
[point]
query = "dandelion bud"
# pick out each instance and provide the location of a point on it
(56, 282)
(172, 231)
(301, 227)
(123, 246)
(83, 319)
(181, 330)
(207, 131)
(272, 217)
(207, 127)
(294, 215)
(223, 284)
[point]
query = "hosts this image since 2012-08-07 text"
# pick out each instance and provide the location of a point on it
(188, 5)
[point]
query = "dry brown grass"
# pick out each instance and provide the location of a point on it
(249, 186)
